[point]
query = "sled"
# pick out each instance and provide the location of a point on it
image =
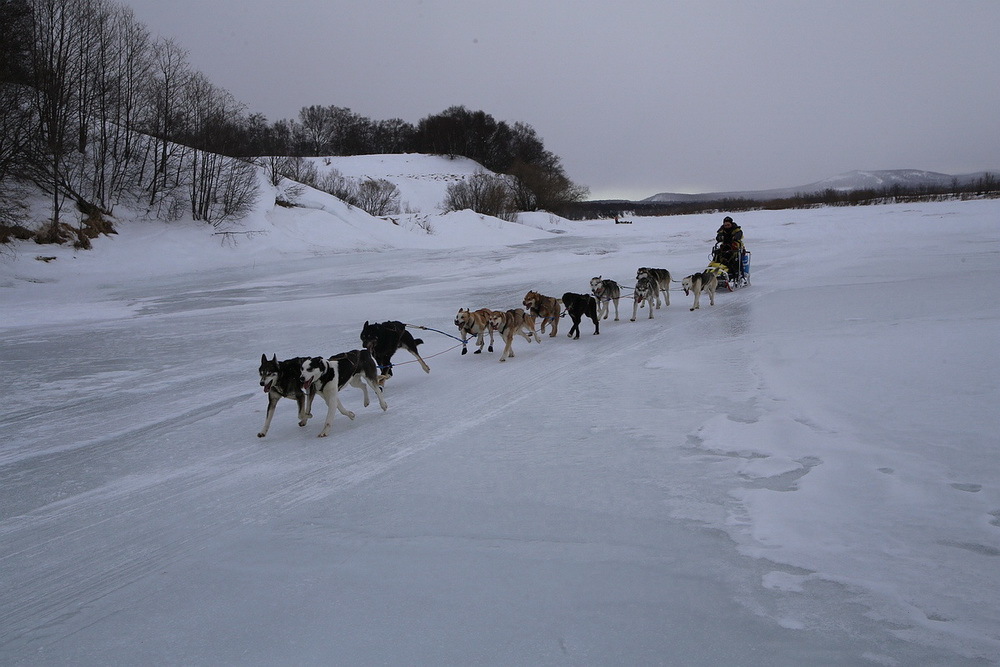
(733, 275)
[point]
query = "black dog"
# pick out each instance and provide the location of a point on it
(578, 305)
(280, 379)
(384, 339)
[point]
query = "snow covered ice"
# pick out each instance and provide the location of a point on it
(805, 473)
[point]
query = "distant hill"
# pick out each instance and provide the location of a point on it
(851, 181)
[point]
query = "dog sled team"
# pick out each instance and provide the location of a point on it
(303, 378)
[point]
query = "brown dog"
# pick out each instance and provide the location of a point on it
(544, 308)
(474, 323)
(510, 323)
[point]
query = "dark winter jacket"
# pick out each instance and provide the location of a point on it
(728, 237)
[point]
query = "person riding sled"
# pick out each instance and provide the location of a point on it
(729, 238)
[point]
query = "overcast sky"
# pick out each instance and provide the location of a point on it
(637, 97)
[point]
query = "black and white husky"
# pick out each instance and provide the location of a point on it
(646, 292)
(706, 280)
(660, 278)
(281, 379)
(605, 290)
(327, 377)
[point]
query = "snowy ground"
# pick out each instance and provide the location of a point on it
(805, 473)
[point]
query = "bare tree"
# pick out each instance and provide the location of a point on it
(299, 169)
(170, 73)
(377, 197)
(488, 194)
(338, 185)
(54, 45)
(123, 62)
(220, 187)
(16, 125)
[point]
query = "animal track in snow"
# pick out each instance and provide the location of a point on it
(971, 488)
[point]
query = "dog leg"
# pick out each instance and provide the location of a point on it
(333, 405)
(330, 410)
(508, 349)
(342, 409)
(272, 400)
(303, 410)
(378, 394)
(357, 383)
(635, 309)
(371, 377)
(616, 309)
(307, 415)
(423, 364)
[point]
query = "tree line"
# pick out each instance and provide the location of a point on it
(986, 186)
(96, 112)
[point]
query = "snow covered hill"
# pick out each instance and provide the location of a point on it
(422, 180)
(850, 181)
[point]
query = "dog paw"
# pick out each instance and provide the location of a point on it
(350, 415)
(632, 320)
(464, 351)
(479, 351)
(261, 434)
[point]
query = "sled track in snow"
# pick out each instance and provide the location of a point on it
(536, 370)
(53, 580)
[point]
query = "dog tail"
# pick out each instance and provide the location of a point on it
(418, 341)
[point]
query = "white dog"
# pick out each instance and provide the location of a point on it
(706, 280)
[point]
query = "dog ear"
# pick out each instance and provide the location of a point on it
(274, 358)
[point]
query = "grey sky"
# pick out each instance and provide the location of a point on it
(636, 97)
